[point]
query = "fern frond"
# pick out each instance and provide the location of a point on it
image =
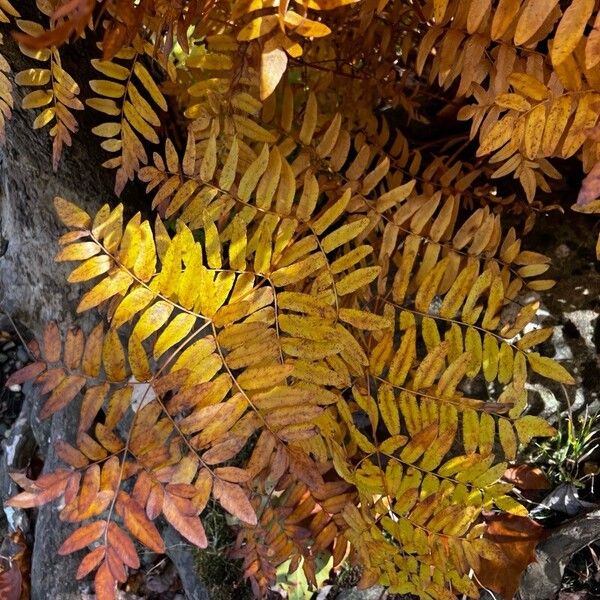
(7, 12)
(493, 53)
(298, 524)
(61, 95)
(137, 115)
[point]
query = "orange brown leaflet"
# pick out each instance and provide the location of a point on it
(527, 478)
(70, 455)
(72, 487)
(183, 490)
(223, 451)
(90, 562)
(141, 489)
(90, 447)
(232, 474)
(155, 501)
(110, 477)
(90, 405)
(77, 15)
(304, 468)
(139, 525)
(31, 499)
(90, 486)
(115, 564)
(105, 583)
(82, 537)
(203, 485)
(123, 545)
(50, 379)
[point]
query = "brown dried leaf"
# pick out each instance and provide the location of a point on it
(31, 499)
(105, 583)
(91, 405)
(90, 486)
(73, 348)
(71, 215)
(27, 373)
(123, 545)
(304, 468)
(189, 527)
(63, 393)
(116, 566)
(234, 500)
(516, 538)
(70, 455)
(527, 478)
(51, 343)
(11, 583)
(92, 353)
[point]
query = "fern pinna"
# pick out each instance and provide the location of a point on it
(313, 323)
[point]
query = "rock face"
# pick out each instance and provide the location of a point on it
(33, 290)
(573, 307)
(543, 579)
(32, 285)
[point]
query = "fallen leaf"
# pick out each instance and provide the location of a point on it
(11, 583)
(590, 187)
(517, 538)
(527, 478)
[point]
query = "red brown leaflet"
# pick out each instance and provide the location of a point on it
(234, 500)
(190, 527)
(90, 562)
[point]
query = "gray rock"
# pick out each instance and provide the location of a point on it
(182, 556)
(377, 592)
(584, 321)
(33, 288)
(542, 579)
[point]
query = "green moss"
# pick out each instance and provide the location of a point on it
(221, 575)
